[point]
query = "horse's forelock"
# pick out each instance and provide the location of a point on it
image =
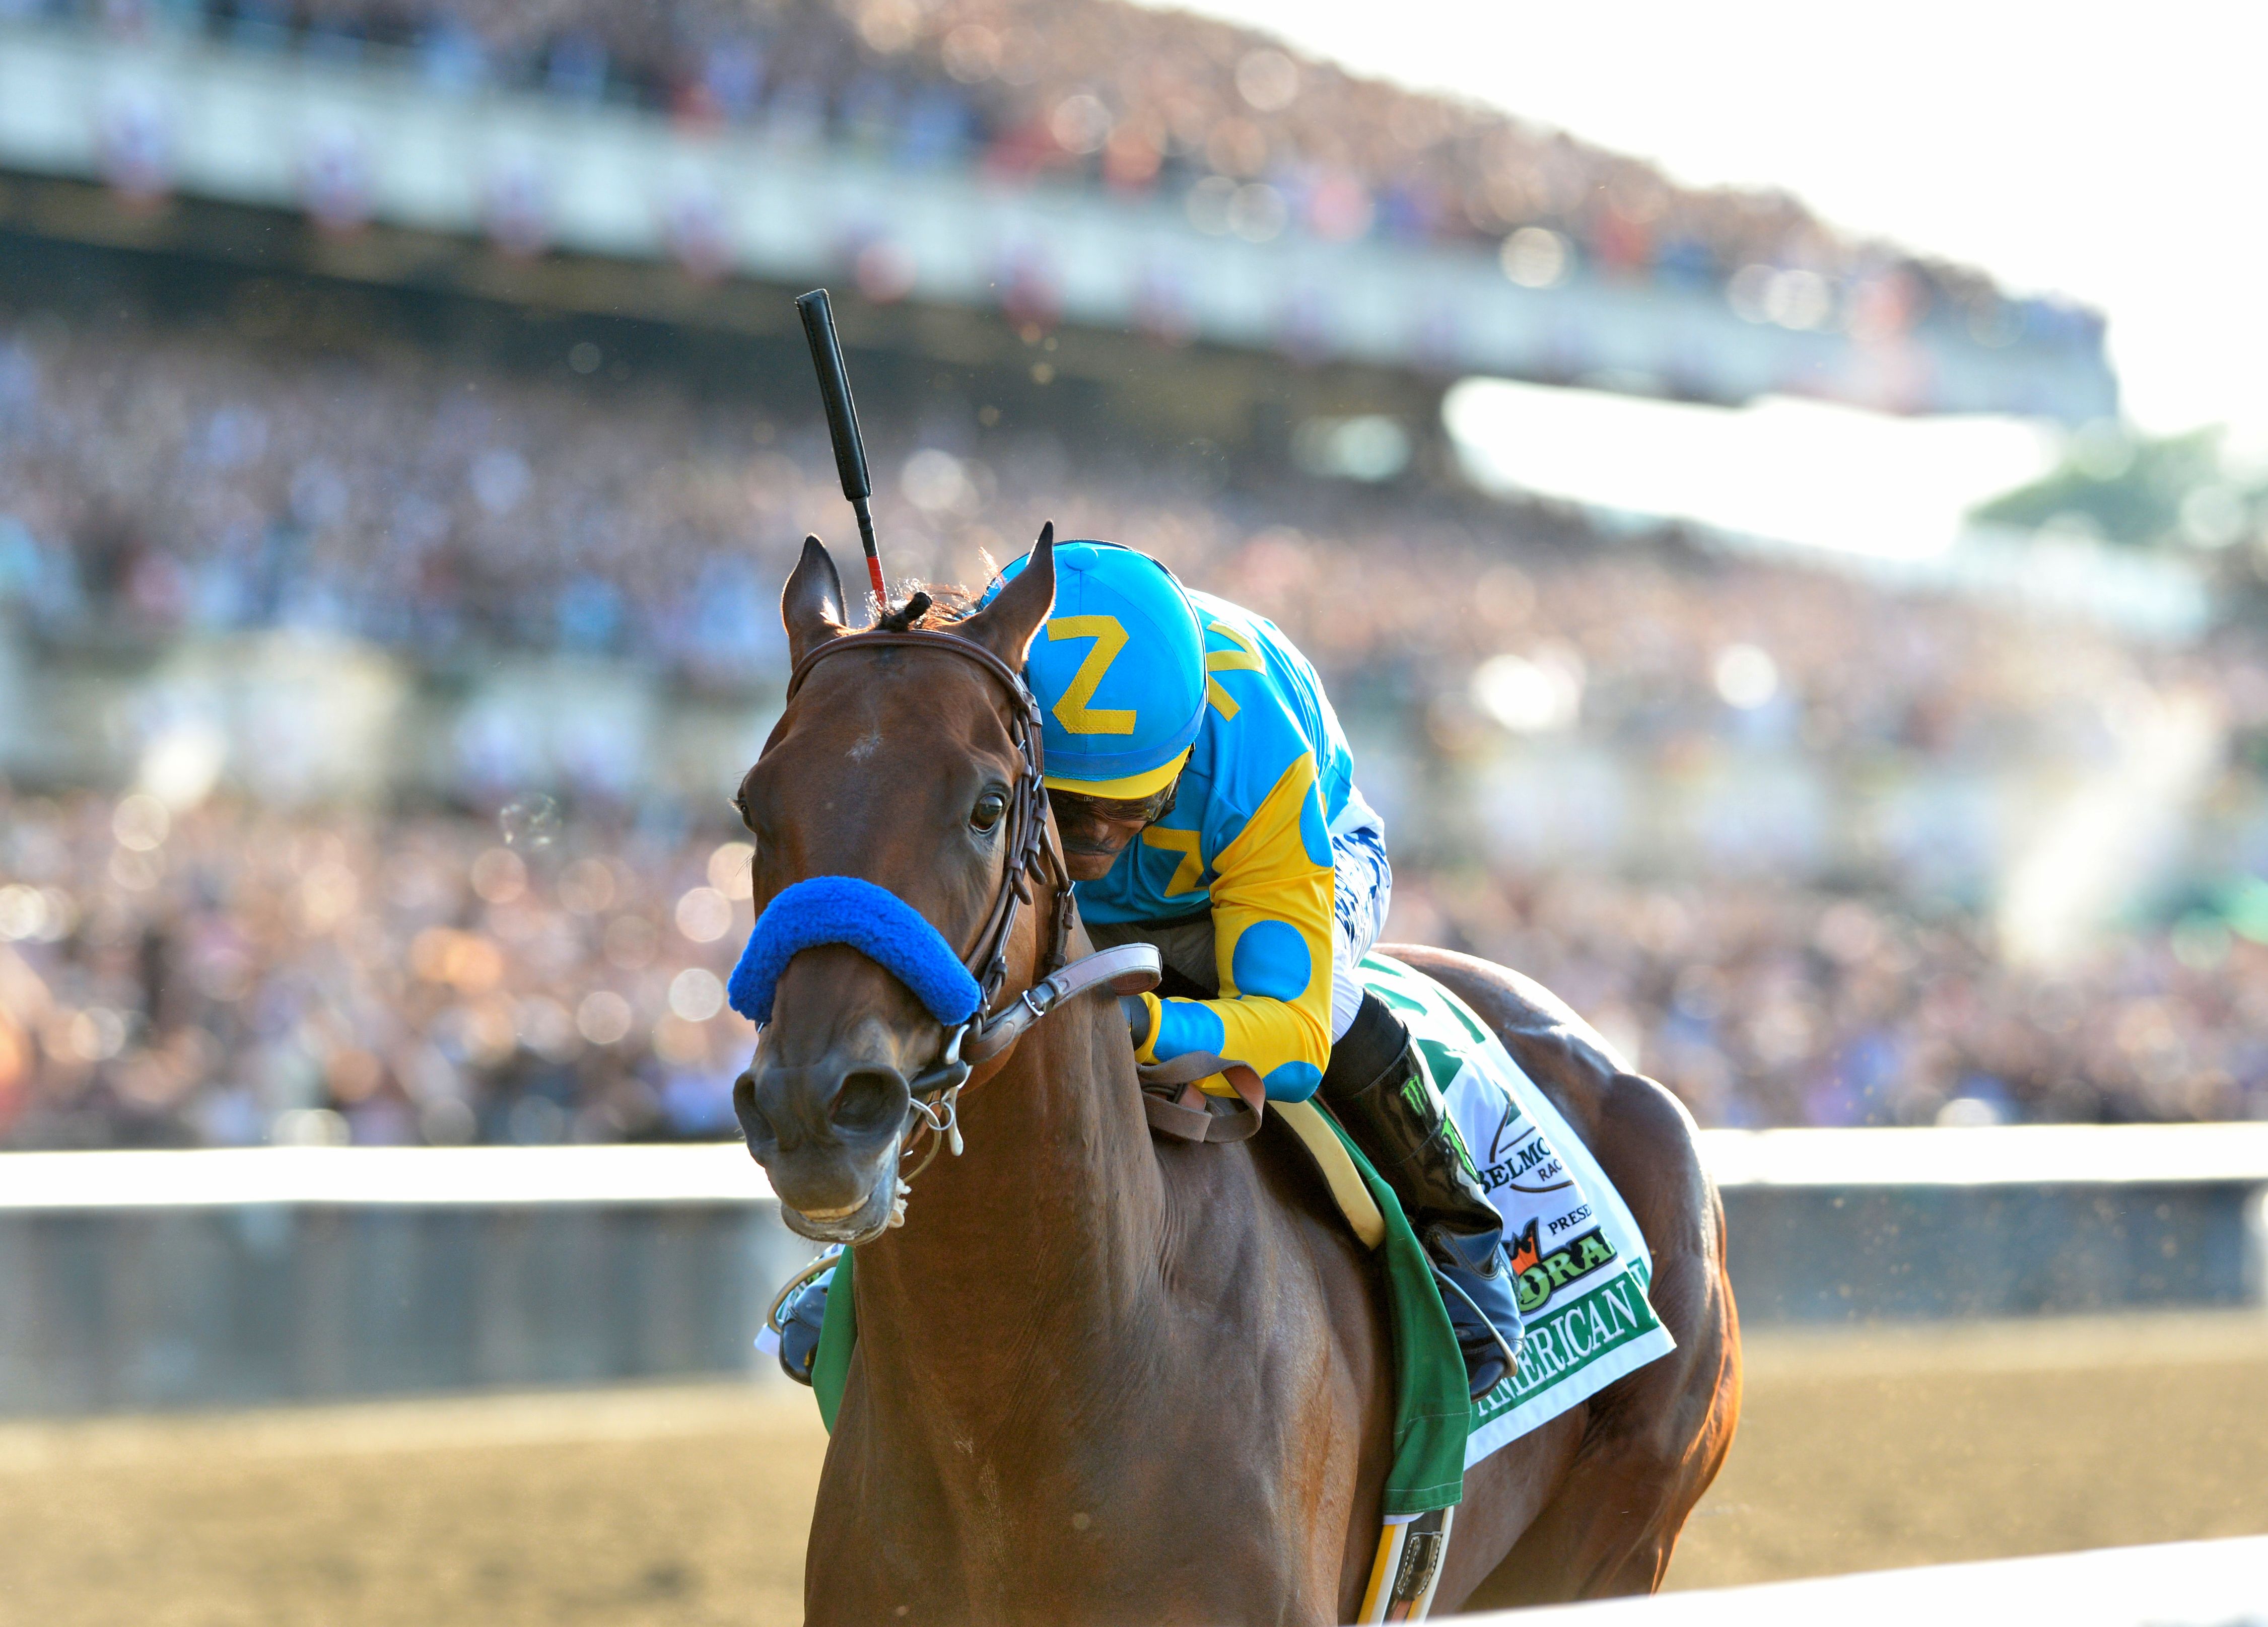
(943, 603)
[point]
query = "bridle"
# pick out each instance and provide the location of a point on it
(1033, 857)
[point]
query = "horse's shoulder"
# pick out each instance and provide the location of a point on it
(1642, 1134)
(1269, 1176)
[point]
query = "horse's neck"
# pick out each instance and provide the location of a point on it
(1044, 1239)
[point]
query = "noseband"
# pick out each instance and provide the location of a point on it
(1031, 857)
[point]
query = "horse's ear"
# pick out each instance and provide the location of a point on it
(1005, 626)
(812, 606)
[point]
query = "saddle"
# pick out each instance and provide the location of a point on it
(1182, 1111)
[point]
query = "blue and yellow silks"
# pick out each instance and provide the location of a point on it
(1267, 779)
(1250, 838)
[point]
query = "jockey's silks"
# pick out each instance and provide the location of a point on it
(1269, 778)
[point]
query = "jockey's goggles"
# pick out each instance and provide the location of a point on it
(1075, 809)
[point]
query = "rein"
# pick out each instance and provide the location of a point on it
(1033, 856)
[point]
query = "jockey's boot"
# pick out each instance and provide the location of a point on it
(801, 1314)
(1378, 1090)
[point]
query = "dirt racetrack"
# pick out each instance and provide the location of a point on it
(689, 1505)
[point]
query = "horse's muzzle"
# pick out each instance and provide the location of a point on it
(828, 1134)
(862, 1224)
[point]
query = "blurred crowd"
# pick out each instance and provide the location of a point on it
(152, 482)
(232, 976)
(1763, 1002)
(223, 972)
(1246, 138)
(159, 482)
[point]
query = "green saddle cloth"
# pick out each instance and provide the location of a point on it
(1432, 1412)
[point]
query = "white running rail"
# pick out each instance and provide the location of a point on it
(2222, 1583)
(2012, 1155)
(723, 1173)
(480, 1177)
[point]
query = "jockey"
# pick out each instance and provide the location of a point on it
(1206, 802)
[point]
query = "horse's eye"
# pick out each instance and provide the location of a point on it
(989, 809)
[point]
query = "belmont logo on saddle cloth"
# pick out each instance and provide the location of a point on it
(1582, 1262)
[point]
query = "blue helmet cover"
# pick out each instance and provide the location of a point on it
(1119, 669)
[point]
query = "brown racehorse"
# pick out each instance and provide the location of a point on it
(1103, 1379)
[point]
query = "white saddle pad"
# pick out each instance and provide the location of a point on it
(1584, 1266)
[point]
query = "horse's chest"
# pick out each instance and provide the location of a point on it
(1154, 1529)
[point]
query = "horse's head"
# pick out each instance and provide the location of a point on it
(895, 765)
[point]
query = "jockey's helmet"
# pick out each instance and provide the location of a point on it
(1119, 671)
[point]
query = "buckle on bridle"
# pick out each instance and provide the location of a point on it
(948, 1073)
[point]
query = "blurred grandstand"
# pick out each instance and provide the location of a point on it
(402, 438)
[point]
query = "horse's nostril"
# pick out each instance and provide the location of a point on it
(754, 1125)
(870, 1099)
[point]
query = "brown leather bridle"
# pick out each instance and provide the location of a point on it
(1032, 854)
(1130, 969)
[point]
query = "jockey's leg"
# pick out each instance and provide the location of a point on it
(1378, 1089)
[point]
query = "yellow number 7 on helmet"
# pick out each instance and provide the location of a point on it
(1072, 710)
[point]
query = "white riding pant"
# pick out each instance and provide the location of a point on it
(1362, 886)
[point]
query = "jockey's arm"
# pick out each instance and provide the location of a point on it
(1272, 914)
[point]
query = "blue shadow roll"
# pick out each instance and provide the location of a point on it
(872, 920)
